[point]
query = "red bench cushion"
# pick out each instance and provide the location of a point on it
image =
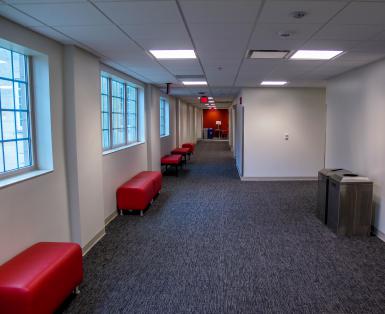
(40, 278)
(171, 160)
(191, 146)
(135, 194)
(180, 151)
(155, 177)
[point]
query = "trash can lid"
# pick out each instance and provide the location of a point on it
(331, 171)
(349, 178)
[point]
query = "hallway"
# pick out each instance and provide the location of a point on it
(211, 243)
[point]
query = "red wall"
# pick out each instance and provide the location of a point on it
(211, 116)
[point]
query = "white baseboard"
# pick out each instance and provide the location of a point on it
(110, 217)
(279, 178)
(379, 234)
(93, 241)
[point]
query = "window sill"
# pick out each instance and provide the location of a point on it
(22, 177)
(114, 150)
(167, 135)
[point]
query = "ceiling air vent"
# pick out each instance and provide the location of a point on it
(187, 77)
(267, 54)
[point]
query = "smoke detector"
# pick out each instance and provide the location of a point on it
(285, 34)
(298, 14)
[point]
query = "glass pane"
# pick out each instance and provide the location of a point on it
(106, 140)
(131, 120)
(19, 67)
(131, 93)
(117, 120)
(104, 86)
(6, 94)
(21, 96)
(117, 89)
(5, 63)
(23, 153)
(1, 133)
(1, 158)
(10, 156)
(22, 129)
(117, 105)
(105, 121)
(132, 135)
(118, 137)
(105, 106)
(8, 119)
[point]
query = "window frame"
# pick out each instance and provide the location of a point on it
(164, 113)
(30, 115)
(115, 147)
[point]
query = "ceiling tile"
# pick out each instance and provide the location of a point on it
(272, 31)
(317, 11)
(101, 38)
(221, 49)
(222, 31)
(183, 67)
(141, 12)
(165, 43)
(239, 11)
(18, 17)
(368, 13)
(349, 32)
(65, 14)
(51, 33)
(325, 44)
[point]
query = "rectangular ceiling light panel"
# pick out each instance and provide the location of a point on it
(315, 54)
(267, 54)
(274, 83)
(194, 82)
(174, 54)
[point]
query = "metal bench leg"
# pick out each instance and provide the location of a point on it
(141, 213)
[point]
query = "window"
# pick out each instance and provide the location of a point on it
(119, 108)
(15, 113)
(164, 117)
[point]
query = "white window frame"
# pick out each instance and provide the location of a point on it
(5, 175)
(166, 117)
(116, 147)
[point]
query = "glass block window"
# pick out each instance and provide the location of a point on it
(15, 115)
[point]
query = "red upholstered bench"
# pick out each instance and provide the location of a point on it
(40, 278)
(172, 160)
(191, 146)
(155, 177)
(137, 193)
(181, 151)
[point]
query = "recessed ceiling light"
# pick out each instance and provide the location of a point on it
(174, 54)
(315, 54)
(274, 83)
(194, 83)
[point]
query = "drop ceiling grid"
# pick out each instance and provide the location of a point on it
(220, 31)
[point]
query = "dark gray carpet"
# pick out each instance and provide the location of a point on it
(213, 244)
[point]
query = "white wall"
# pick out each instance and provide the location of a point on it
(269, 113)
(356, 128)
(37, 209)
(186, 121)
